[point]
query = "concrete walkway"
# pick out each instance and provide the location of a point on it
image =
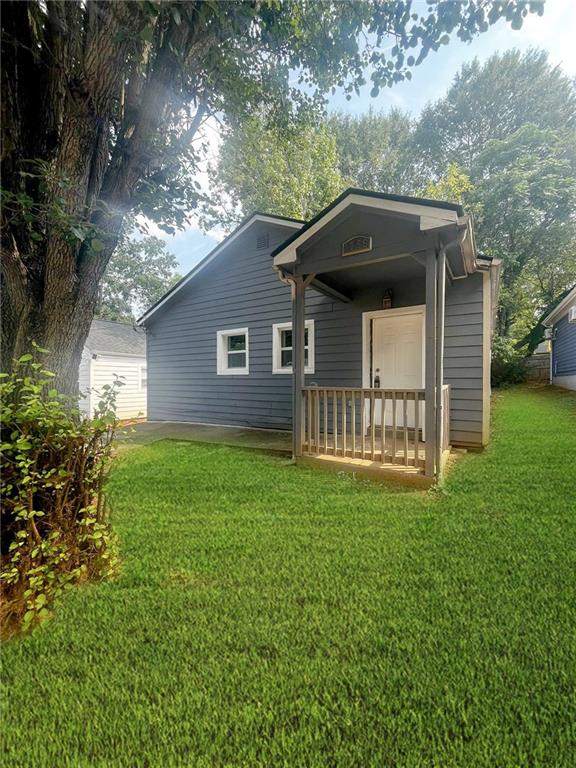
(262, 439)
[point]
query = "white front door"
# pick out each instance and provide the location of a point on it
(397, 360)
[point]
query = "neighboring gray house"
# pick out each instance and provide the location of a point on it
(562, 324)
(114, 348)
(384, 307)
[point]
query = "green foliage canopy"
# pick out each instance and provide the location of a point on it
(491, 101)
(125, 87)
(291, 172)
(137, 275)
(501, 142)
(527, 186)
(375, 150)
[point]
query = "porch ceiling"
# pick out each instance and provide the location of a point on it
(381, 275)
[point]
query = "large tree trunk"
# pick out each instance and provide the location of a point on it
(51, 268)
(86, 88)
(58, 321)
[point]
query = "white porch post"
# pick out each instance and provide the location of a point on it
(440, 298)
(430, 367)
(298, 342)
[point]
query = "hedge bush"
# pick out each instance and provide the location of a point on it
(508, 365)
(55, 526)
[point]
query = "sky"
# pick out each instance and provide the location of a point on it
(554, 32)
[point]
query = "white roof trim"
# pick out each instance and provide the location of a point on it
(438, 216)
(216, 252)
(559, 311)
(104, 352)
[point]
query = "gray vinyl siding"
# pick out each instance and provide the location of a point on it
(463, 358)
(240, 289)
(564, 348)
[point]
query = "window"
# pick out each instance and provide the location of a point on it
(143, 378)
(232, 352)
(282, 347)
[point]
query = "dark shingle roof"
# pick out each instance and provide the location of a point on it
(117, 338)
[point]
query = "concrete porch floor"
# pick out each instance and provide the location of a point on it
(271, 440)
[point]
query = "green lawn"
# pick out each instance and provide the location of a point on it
(269, 615)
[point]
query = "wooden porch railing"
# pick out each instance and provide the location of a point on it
(373, 424)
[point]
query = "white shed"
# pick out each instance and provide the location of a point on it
(114, 348)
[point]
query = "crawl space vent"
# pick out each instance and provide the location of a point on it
(357, 244)
(263, 241)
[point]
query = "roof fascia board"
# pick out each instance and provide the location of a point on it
(435, 222)
(558, 311)
(441, 217)
(117, 354)
(213, 254)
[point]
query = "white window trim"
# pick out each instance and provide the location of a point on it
(277, 328)
(140, 369)
(222, 352)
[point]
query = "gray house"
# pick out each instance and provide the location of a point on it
(366, 331)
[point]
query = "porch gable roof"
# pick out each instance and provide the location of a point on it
(432, 215)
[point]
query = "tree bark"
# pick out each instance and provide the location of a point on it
(88, 88)
(50, 276)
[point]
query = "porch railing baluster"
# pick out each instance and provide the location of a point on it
(416, 427)
(315, 408)
(383, 426)
(363, 422)
(309, 419)
(353, 421)
(335, 422)
(405, 427)
(344, 446)
(325, 421)
(394, 427)
(305, 430)
(372, 435)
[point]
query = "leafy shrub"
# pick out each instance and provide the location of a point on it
(507, 363)
(55, 524)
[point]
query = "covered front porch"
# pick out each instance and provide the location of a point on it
(391, 257)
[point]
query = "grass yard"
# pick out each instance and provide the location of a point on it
(269, 615)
